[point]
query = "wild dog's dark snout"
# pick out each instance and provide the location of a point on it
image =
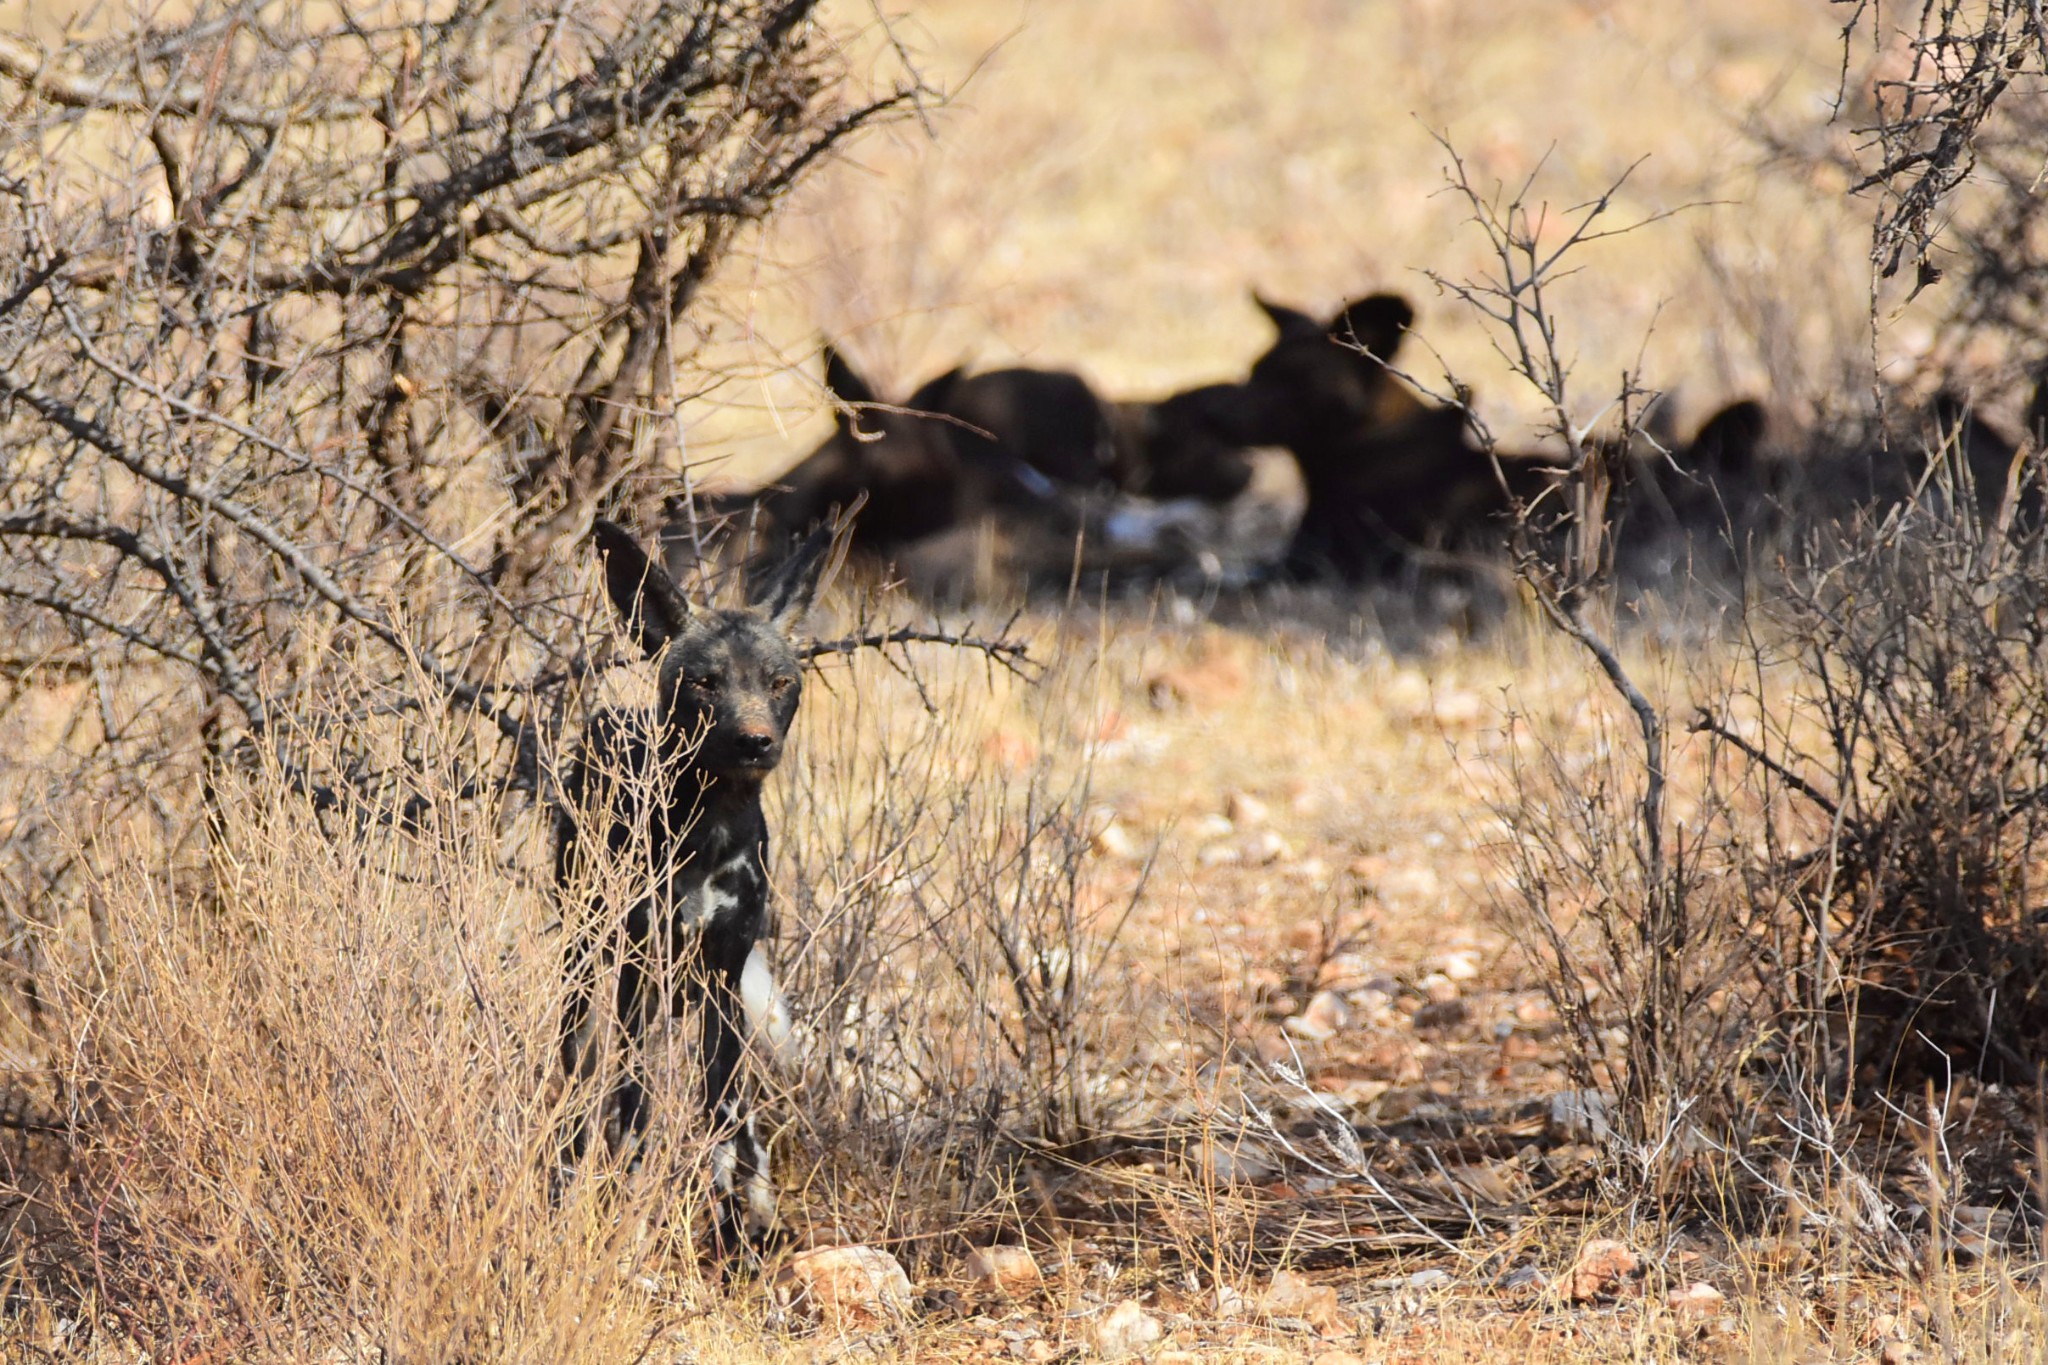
(759, 746)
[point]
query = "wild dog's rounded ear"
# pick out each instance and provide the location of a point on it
(1727, 442)
(936, 394)
(847, 386)
(788, 594)
(647, 599)
(1377, 323)
(1291, 323)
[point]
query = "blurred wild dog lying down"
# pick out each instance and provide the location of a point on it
(1036, 451)
(1387, 473)
(674, 796)
(1384, 471)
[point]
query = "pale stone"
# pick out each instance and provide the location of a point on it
(1696, 1301)
(1291, 1296)
(1113, 841)
(1004, 1269)
(1245, 809)
(1603, 1268)
(1325, 1016)
(845, 1286)
(1266, 847)
(1126, 1328)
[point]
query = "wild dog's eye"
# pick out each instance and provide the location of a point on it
(707, 683)
(781, 685)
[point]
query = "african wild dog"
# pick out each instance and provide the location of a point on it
(1385, 472)
(899, 455)
(1981, 457)
(1011, 425)
(674, 795)
(1186, 445)
(1022, 445)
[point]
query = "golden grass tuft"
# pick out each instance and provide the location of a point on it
(306, 1062)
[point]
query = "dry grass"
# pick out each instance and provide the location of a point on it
(312, 1068)
(316, 1090)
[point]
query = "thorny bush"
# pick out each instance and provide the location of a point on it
(1856, 824)
(304, 315)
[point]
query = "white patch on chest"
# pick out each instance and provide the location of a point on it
(720, 892)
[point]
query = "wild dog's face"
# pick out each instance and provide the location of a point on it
(730, 679)
(731, 682)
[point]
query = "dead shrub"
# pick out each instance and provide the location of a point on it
(310, 1105)
(304, 315)
(309, 1089)
(1925, 773)
(958, 978)
(1850, 895)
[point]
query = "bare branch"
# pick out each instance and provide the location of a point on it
(1013, 655)
(23, 62)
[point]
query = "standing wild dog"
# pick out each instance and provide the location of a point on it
(674, 797)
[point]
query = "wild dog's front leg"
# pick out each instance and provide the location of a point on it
(579, 1041)
(741, 1183)
(601, 1049)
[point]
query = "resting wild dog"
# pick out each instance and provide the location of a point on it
(1385, 472)
(1020, 443)
(900, 456)
(678, 791)
(1011, 425)
(1052, 422)
(1185, 445)
(1981, 456)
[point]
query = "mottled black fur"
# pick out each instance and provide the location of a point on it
(680, 788)
(1020, 443)
(1013, 424)
(901, 456)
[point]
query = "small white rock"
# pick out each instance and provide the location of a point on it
(1126, 1328)
(1005, 1269)
(1696, 1301)
(1325, 1017)
(1114, 841)
(1265, 847)
(1439, 988)
(1290, 1296)
(1303, 1027)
